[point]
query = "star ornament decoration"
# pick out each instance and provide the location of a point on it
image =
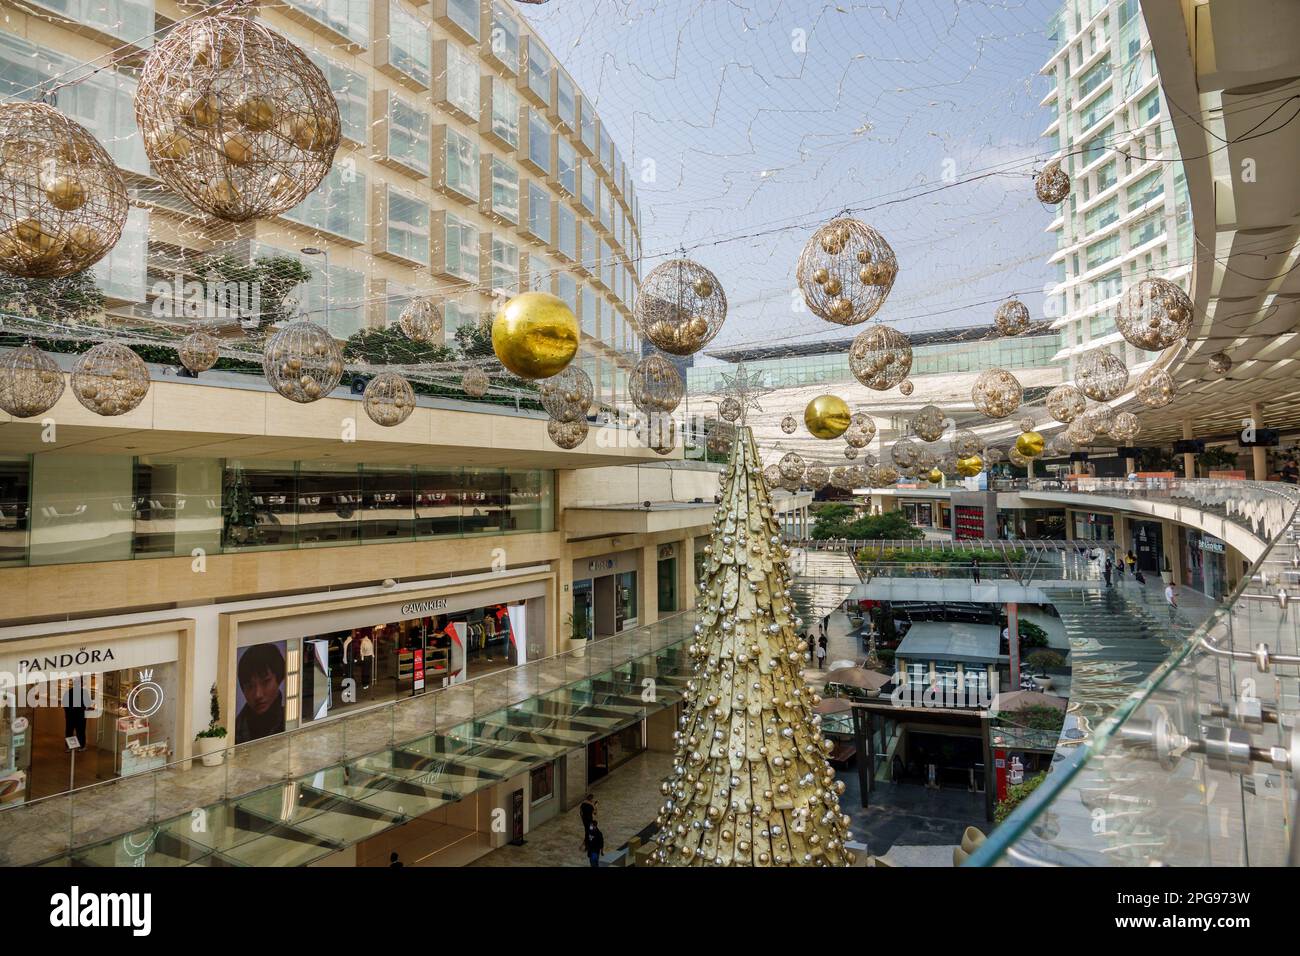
(745, 387)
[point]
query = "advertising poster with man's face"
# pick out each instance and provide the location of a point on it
(259, 691)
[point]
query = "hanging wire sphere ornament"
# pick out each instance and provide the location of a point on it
(993, 455)
(198, 351)
(1079, 432)
(1030, 444)
(1016, 458)
(858, 438)
(791, 465)
(881, 476)
(827, 416)
(655, 385)
(64, 201)
(996, 393)
(567, 435)
(969, 466)
(772, 474)
(535, 335)
(729, 409)
(1155, 388)
(839, 477)
(1125, 427)
(1098, 419)
(1101, 375)
(966, 443)
(302, 361)
(421, 320)
(1154, 314)
(1065, 403)
(1052, 184)
(474, 383)
(1026, 424)
(660, 432)
(721, 437)
(880, 358)
(236, 118)
(30, 382)
(929, 423)
(1012, 317)
(567, 396)
(388, 399)
(845, 271)
(1220, 363)
(904, 452)
(850, 452)
(1059, 446)
(817, 476)
(680, 306)
(905, 388)
(789, 424)
(791, 484)
(926, 458)
(110, 379)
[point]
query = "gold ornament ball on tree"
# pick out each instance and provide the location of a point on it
(567, 435)
(535, 335)
(236, 118)
(110, 379)
(1065, 403)
(198, 351)
(302, 362)
(1154, 314)
(421, 320)
(655, 385)
(567, 397)
(1052, 184)
(996, 393)
(65, 202)
(1101, 375)
(30, 382)
(845, 271)
(1155, 388)
(680, 306)
(789, 424)
(1012, 317)
(388, 399)
(475, 383)
(880, 358)
(827, 416)
(1029, 444)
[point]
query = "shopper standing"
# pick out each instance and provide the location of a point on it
(1107, 570)
(975, 570)
(1171, 598)
(595, 844)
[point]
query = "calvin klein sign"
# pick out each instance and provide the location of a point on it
(416, 608)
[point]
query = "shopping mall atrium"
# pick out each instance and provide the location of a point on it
(592, 433)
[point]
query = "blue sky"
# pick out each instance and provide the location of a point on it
(762, 118)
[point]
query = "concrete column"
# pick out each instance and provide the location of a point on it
(563, 602)
(1258, 455)
(1189, 461)
(1173, 554)
(647, 611)
(686, 573)
(1013, 646)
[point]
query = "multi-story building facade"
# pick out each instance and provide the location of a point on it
(1127, 214)
(471, 166)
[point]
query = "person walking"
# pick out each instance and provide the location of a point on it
(821, 655)
(821, 643)
(595, 844)
(1171, 598)
(587, 811)
(1106, 571)
(975, 570)
(1131, 560)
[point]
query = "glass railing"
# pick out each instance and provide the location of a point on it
(365, 772)
(1196, 763)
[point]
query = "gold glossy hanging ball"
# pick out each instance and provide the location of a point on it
(970, 466)
(535, 335)
(827, 416)
(703, 287)
(935, 476)
(66, 193)
(257, 113)
(1030, 444)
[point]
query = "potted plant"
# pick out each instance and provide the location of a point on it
(577, 636)
(1040, 661)
(210, 744)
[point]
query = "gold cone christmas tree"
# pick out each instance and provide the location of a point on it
(750, 784)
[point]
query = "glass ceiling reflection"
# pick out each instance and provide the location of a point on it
(302, 820)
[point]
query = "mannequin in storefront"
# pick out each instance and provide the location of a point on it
(367, 657)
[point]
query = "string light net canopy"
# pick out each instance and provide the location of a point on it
(30, 382)
(1155, 388)
(234, 117)
(929, 423)
(881, 357)
(1101, 375)
(302, 362)
(198, 351)
(750, 783)
(475, 382)
(1154, 314)
(63, 203)
(655, 385)
(1012, 317)
(1065, 403)
(680, 306)
(389, 399)
(845, 271)
(110, 379)
(567, 435)
(1052, 184)
(421, 320)
(567, 396)
(996, 393)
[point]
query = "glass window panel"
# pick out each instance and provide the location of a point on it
(387, 504)
(539, 140)
(438, 501)
(462, 248)
(258, 505)
(505, 36)
(408, 227)
(464, 13)
(539, 212)
(177, 506)
(337, 205)
(539, 69)
(529, 494)
(566, 160)
(505, 265)
(589, 187)
(351, 92)
(408, 43)
(454, 315)
(588, 125)
(505, 190)
(15, 518)
(602, 150)
(408, 134)
(123, 273)
(351, 18)
(568, 291)
(462, 79)
(590, 313)
(462, 164)
(566, 228)
(82, 508)
(590, 253)
(485, 504)
(566, 100)
(329, 504)
(505, 112)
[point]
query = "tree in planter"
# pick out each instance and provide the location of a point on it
(215, 729)
(1041, 661)
(240, 527)
(1031, 635)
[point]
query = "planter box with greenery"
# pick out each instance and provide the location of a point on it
(210, 744)
(1017, 795)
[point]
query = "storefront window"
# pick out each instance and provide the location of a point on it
(541, 784)
(15, 486)
(667, 585)
(584, 618)
(625, 600)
